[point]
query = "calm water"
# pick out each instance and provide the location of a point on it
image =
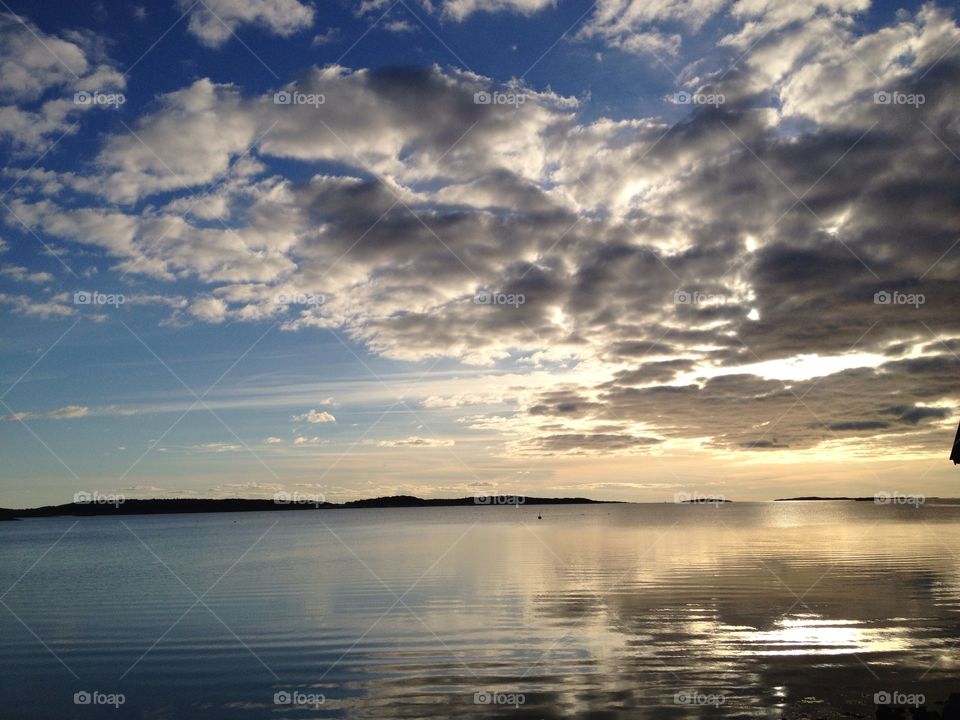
(764, 610)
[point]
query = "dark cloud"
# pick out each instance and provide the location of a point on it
(592, 443)
(749, 412)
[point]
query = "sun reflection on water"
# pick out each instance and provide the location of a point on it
(811, 634)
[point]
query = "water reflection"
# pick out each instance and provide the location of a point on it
(813, 635)
(609, 611)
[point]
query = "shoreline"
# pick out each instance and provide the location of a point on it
(174, 506)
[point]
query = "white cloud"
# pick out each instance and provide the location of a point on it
(69, 412)
(330, 36)
(209, 309)
(33, 62)
(635, 25)
(49, 309)
(189, 141)
(39, 74)
(273, 441)
(314, 416)
(460, 10)
(22, 274)
(461, 400)
(400, 26)
(214, 21)
(217, 447)
(414, 441)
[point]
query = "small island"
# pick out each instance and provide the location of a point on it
(816, 498)
(162, 506)
(871, 498)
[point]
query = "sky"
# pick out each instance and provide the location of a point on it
(623, 249)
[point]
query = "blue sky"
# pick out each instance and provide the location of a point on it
(720, 238)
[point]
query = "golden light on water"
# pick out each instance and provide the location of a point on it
(810, 634)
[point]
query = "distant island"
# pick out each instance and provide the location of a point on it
(871, 498)
(162, 506)
(817, 497)
(706, 500)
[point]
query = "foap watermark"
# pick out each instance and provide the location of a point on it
(84, 297)
(683, 97)
(895, 697)
(486, 297)
(895, 297)
(95, 97)
(696, 497)
(299, 698)
(487, 499)
(696, 297)
(285, 498)
(897, 498)
(495, 697)
(96, 697)
(695, 697)
(295, 97)
(895, 97)
(299, 298)
(498, 98)
(98, 498)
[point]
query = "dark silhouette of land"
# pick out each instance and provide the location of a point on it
(162, 506)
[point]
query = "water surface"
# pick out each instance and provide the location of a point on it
(603, 611)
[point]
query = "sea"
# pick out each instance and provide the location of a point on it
(834, 609)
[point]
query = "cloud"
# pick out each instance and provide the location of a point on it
(213, 22)
(414, 441)
(314, 416)
(752, 413)
(273, 441)
(47, 310)
(332, 35)
(301, 440)
(462, 400)
(580, 443)
(460, 10)
(400, 26)
(33, 62)
(209, 309)
(69, 412)
(232, 490)
(217, 447)
(189, 141)
(22, 274)
(39, 74)
(613, 230)
(634, 25)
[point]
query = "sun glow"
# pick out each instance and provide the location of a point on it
(800, 367)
